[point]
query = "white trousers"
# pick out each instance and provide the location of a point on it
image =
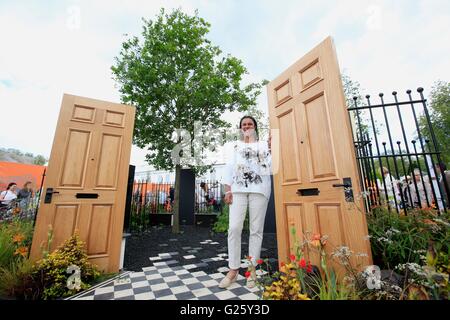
(257, 204)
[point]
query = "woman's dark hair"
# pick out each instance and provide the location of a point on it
(10, 185)
(254, 122)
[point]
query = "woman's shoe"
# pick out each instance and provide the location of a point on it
(251, 280)
(226, 282)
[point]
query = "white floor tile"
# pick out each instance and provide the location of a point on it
(249, 296)
(179, 289)
(145, 296)
(140, 284)
(198, 273)
(190, 281)
(210, 283)
(201, 292)
(171, 278)
(104, 290)
(159, 286)
(154, 276)
(224, 295)
(123, 293)
(170, 297)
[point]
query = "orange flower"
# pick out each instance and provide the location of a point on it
(315, 240)
(23, 251)
(18, 238)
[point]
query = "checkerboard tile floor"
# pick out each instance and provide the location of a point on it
(175, 276)
(170, 283)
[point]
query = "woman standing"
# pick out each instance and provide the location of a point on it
(25, 194)
(247, 184)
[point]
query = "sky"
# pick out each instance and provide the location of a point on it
(48, 48)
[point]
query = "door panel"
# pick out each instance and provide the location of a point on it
(88, 169)
(307, 107)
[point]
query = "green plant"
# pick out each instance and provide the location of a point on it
(221, 225)
(223, 218)
(15, 269)
(15, 238)
(51, 272)
(417, 247)
(17, 282)
(398, 239)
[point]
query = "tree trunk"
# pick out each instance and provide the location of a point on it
(176, 206)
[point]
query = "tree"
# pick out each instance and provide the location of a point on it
(439, 110)
(352, 90)
(39, 160)
(174, 77)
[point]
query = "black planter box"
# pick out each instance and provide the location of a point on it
(157, 219)
(205, 220)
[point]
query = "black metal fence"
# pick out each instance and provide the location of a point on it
(149, 199)
(399, 159)
(208, 197)
(152, 203)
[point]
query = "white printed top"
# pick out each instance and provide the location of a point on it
(248, 167)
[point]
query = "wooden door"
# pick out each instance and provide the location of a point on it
(307, 107)
(88, 171)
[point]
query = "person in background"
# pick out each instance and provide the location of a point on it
(25, 194)
(440, 177)
(9, 194)
(209, 195)
(393, 193)
(424, 188)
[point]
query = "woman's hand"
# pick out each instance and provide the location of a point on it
(228, 198)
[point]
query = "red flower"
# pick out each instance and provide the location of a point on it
(302, 263)
(309, 268)
(292, 257)
(260, 261)
(247, 274)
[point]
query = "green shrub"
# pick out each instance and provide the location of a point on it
(17, 281)
(398, 239)
(51, 272)
(221, 225)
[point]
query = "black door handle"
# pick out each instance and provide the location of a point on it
(342, 185)
(348, 192)
(49, 194)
